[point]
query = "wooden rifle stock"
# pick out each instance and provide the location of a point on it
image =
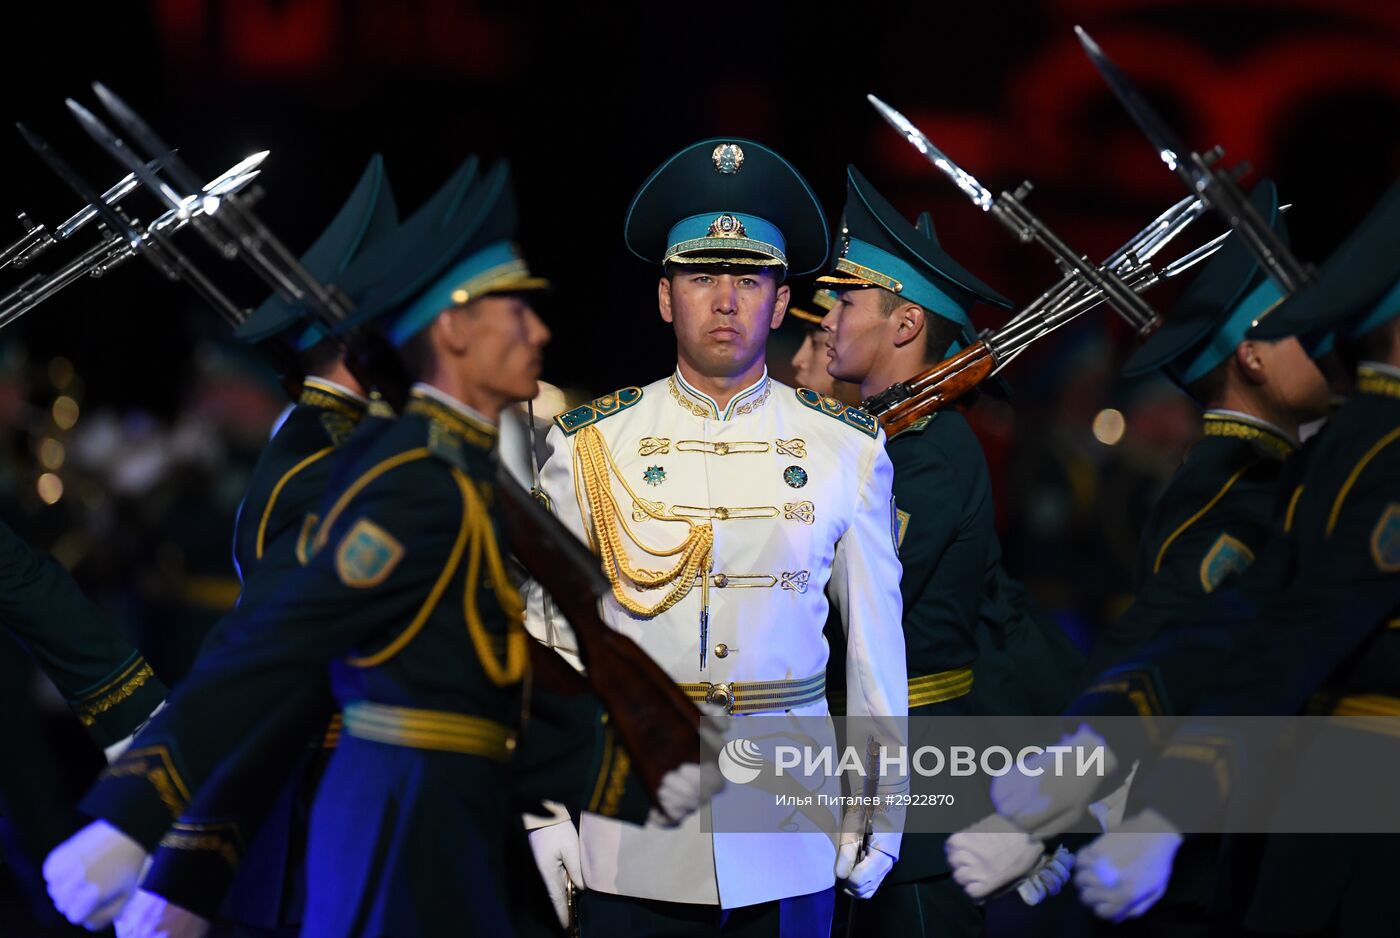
(939, 386)
(656, 721)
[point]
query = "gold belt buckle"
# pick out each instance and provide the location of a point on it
(721, 694)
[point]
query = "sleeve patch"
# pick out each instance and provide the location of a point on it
(1227, 556)
(367, 555)
(1385, 540)
(899, 525)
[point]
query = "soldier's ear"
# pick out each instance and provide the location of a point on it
(780, 305)
(1251, 362)
(663, 298)
(910, 320)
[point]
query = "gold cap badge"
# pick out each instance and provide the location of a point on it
(728, 158)
(727, 226)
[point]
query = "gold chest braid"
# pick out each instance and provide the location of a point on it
(594, 469)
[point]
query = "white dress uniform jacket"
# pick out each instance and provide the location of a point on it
(796, 490)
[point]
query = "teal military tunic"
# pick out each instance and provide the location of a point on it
(1320, 607)
(970, 643)
(290, 626)
(199, 854)
(107, 683)
(1212, 520)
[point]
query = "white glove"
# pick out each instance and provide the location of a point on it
(990, 854)
(1121, 874)
(684, 791)
(1109, 809)
(92, 874)
(1048, 877)
(114, 751)
(148, 915)
(864, 877)
(557, 857)
(1049, 803)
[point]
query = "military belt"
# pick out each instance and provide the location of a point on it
(939, 687)
(929, 689)
(428, 729)
(1367, 705)
(759, 696)
(331, 738)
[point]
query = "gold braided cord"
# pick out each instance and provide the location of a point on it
(593, 481)
(483, 536)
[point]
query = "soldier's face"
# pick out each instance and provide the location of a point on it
(504, 347)
(1295, 382)
(856, 334)
(722, 315)
(809, 363)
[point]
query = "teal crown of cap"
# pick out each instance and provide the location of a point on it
(491, 269)
(457, 247)
(1357, 290)
(367, 217)
(878, 246)
(1217, 310)
(727, 231)
(696, 202)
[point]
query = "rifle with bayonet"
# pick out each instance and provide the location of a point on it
(37, 238)
(1217, 188)
(900, 405)
(1010, 209)
(236, 233)
(1083, 287)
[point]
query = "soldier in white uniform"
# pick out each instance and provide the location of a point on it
(726, 509)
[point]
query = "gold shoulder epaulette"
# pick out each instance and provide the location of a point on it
(588, 414)
(844, 413)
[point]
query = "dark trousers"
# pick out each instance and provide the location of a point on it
(607, 916)
(935, 907)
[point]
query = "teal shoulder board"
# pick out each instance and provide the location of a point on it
(615, 403)
(845, 413)
(917, 426)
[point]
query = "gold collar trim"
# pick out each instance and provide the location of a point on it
(327, 396)
(702, 405)
(476, 432)
(1273, 442)
(1375, 381)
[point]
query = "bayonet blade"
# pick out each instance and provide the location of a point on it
(123, 154)
(119, 225)
(964, 180)
(145, 137)
(1169, 146)
(112, 196)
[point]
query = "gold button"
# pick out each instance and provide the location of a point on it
(721, 514)
(721, 651)
(721, 580)
(721, 448)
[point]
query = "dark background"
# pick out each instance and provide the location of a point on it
(585, 100)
